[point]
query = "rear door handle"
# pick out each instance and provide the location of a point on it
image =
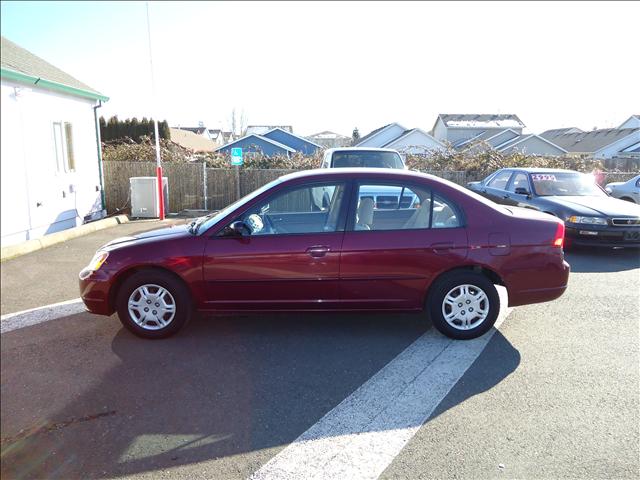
(317, 251)
(442, 247)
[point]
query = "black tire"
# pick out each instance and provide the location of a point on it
(176, 288)
(445, 284)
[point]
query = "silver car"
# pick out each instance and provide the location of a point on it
(629, 190)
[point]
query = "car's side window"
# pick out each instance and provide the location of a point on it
(520, 180)
(391, 207)
(500, 180)
(445, 213)
(306, 209)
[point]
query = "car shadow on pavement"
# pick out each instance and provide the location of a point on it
(231, 389)
(603, 260)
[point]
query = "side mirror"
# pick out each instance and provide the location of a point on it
(238, 229)
(522, 191)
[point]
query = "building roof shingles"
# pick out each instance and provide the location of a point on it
(473, 120)
(18, 59)
(593, 141)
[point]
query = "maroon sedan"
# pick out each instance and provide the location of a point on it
(344, 239)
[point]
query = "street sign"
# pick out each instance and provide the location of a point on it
(236, 156)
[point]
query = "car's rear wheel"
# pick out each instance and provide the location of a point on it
(153, 304)
(463, 305)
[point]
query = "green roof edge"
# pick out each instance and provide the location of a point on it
(41, 82)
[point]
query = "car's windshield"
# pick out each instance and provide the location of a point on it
(547, 184)
(372, 158)
(210, 221)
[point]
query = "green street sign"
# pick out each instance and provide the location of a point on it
(236, 156)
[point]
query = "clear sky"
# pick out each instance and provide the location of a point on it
(339, 65)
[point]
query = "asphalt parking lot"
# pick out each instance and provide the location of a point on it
(552, 394)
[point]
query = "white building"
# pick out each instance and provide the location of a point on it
(394, 135)
(501, 132)
(50, 148)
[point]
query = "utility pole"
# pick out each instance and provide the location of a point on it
(155, 125)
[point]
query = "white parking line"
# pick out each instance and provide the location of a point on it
(33, 316)
(360, 437)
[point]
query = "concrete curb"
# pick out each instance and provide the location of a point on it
(12, 251)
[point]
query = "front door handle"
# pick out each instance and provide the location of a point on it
(317, 251)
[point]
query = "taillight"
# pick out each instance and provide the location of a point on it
(558, 239)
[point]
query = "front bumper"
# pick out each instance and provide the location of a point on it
(602, 236)
(94, 292)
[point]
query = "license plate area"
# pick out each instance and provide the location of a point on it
(633, 236)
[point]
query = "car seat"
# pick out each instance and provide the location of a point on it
(420, 218)
(364, 216)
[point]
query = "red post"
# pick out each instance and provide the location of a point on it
(160, 193)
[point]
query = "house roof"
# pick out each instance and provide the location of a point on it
(196, 130)
(486, 136)
(262, 129)
(523, 138)
(191, 140)
(259, 137)
(593, 141)
(327, 135)
(21, 65)
(306, 140)
(548, 134)
(475, 120)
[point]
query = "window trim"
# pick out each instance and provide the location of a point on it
(342, 214)
(351, 215)
(66, 164)
(510, 172)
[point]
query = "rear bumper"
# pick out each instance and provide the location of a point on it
(558, 281)
(94, 292)
(590, 236)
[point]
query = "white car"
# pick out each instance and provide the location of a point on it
(362, 157)
(629, 190)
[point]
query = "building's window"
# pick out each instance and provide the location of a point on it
(63, 140)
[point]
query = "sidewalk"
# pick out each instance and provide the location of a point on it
(50, 275)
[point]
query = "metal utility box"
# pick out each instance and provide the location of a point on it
(144, 196)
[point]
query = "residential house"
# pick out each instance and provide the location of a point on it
(262, 129)
(329, 139)
(616, 146)
(412, 141)
(192, 141)
(276, 141)
(502, 132)
(50, 151)
(458, 128)
(258, 144)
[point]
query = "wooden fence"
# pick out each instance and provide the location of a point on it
(193, 186)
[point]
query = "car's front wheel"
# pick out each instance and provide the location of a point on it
(463, 305)
(153, 304)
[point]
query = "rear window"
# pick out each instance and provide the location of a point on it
(371, 159)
